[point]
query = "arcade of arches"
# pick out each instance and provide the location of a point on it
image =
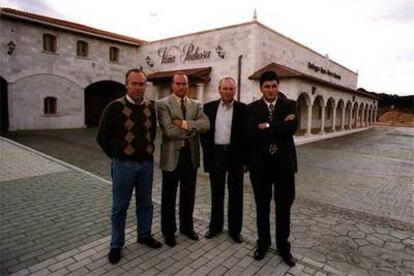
(320, 115)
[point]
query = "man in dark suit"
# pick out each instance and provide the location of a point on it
(181, 121)
(271, 124)
(224, 153)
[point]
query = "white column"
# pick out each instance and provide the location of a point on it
(200, 92)
(351, 113)
(309, 123)
(343, 118)
(371, 117)
(323, 120)
(363, 124)
(334, 118)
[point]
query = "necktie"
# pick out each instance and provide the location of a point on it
(182, 106)
(271, 111)
(272, 147)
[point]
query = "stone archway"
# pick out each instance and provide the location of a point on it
(303, 104)
(348, 115)
(4, 108)
(355, 113)
(97, 96)
(318, 113)
(330, 115)
(340, 116)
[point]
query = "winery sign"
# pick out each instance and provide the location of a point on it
(188, 52)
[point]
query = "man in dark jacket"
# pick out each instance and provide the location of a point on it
(271, 125)
(224, 152)
(126, 134)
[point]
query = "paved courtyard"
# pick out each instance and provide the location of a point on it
(353, 212)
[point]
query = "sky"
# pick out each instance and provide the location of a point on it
(374, 38)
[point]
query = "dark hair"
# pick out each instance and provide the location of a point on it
(134, 70)
(268, 76)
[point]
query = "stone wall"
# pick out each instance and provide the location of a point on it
(32, 73)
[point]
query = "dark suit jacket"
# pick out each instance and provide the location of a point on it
(238, 139)
(279, 133)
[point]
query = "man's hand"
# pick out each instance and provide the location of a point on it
(262, 126)
(177, 122)
(289, 117)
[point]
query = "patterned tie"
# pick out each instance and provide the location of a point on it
(183, 110)
(272, 147)
(182, 106)
(271, 111)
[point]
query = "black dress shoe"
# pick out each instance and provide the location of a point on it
(289, 259)
(191, 235)
(151, 242)
(211, 234)
(237, 238)
(170, 240)
(260, 253)
(114, 255)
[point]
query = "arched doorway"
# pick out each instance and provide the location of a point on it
(97, 96)
(4, 108)
(317, 114)
(340, 115)
(303, 103)
(348, 115)
(329, 115)
(355, 113)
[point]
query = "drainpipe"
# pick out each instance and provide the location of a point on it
(239, 66)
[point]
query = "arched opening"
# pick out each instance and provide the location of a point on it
(339, 122)
(348, 115)
(355, 118)
(302, 103)
(371, 115)
(4, 108)
(97, 96)
(317, 114)
(360, 115)
(329, 115)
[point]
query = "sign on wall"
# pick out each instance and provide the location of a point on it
(187, 53)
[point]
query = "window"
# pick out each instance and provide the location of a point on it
(49, 43)
(81, 48)
(113, 54)
(50, 105)
(319, 112)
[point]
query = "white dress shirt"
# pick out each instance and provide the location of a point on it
(224, 119)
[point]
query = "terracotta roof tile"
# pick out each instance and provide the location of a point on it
(285, 72)
(67, 24)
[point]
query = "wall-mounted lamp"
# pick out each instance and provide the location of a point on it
(313, 90)
(149, 61)
(220, 51)
(12, 46)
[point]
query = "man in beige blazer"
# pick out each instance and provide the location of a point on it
(181, 120)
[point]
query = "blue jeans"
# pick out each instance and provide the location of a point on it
(127, 175)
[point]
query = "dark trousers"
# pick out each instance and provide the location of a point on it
(224, 167)
(185, 174)
(284, 195)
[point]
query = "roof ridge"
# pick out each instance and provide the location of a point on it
(67, 24)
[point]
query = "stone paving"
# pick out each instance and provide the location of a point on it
(354, 206)
(55, 221)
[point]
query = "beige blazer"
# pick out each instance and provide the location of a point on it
(173, 137)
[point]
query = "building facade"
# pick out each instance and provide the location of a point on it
(61, 74)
